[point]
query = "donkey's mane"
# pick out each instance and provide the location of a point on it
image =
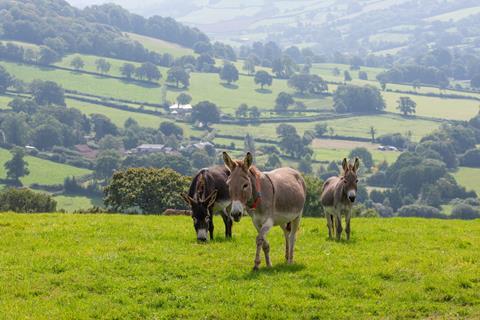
(253, 169)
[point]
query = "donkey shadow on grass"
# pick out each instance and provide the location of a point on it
(274, 270)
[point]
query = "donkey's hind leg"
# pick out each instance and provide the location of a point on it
(286, 232)
(292, 237)
(329, 217)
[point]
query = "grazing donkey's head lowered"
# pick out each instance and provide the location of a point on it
(240, 191)
(201, 205)
(350, 178)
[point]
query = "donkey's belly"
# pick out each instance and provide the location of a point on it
(278, 218)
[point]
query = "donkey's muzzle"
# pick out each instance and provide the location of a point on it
(237, 216)
(202, 235)
(352, 199)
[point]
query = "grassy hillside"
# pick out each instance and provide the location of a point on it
(43, 171)
(161, 46)
(150, 267)
(469, 177)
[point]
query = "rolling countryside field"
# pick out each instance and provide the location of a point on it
(117, 266)
(43, 171)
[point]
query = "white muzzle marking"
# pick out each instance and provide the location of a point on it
(202, 234)
(237, 207)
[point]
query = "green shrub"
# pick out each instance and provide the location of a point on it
(26, 201)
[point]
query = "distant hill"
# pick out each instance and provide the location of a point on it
(94, 30)
(380, 26)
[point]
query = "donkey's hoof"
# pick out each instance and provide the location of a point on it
(255, 268)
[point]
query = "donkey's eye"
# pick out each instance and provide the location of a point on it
(245, 186)
(345, 181)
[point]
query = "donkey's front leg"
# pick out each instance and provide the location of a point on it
(262, 243)
(338, 218)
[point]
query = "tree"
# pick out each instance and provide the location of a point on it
(26, 201)
(106, 163)
(362, 75)
(347, 76)
(6, 80)
(47, 92)
(206, 112)
(184, 98)
(284, 67)
(110, 142)
(77, 63)
(15, 129)
(127, 70)
(202, 47)
(229, 73)
(406, 105)
(249, 144)
(299, 82)
(249, 66)
(148, 70)
(254, 113)
(351, 98)
(241, 111)
(283, 101)
(320, 129)
(200, 159)
(169, 128)
(178, 75)
(102, 126)
(273, 162)
(135, 188)
(103, 66)
(16, 167)
(48, 134)
(305, 165)
(364, 155)
(263, 78)
(313, 206)
(373, 132)
(48, 56)
(291, 142)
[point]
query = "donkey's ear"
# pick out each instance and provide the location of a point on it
(248, 161)
(211, 198)
(356, 164)
(345, 164)
(187, 198)
(228, 161)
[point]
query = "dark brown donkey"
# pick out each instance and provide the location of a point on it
(208, 194)
(338, 196)
(274, 198)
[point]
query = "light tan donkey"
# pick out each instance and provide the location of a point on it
(274, 198)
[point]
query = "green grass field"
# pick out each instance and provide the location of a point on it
(356, 126)
(150, 267)
(43, 171)
(469, 178)
(451, 109)
(161, 46)
(204, 86)
(72, 203)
